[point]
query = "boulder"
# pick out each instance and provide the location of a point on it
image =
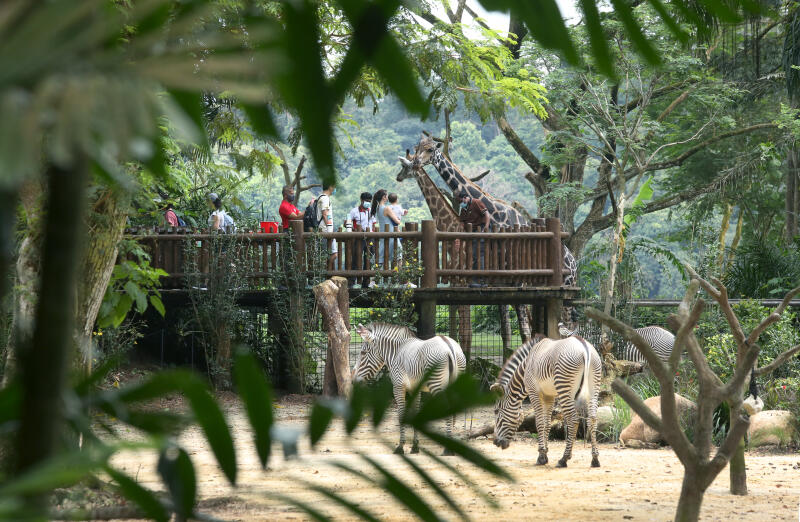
(771, 428)
(605, 418)
(639, 434)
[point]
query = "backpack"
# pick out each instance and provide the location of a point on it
(181, 222)
(310, 221)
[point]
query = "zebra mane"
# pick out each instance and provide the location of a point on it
(515, 361)
(393, 331)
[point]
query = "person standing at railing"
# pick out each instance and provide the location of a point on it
(361, 220)
(476, 214)
(325, 218)
(287, 210)
(216, 221)
(385, 217)
(170, 217)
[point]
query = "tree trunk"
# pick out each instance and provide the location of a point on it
(327, 295)
(44, 360)
(723, 231)
(616, 253)
(737, 466)
(691, 497)
(465, 330)
(28, 267)
(505, 330)
(106, 223)
(792, 200)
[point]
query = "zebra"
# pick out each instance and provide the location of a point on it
(408, 358)
(543, 370)
(658, 338)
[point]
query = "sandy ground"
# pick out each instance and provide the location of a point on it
(629, 485)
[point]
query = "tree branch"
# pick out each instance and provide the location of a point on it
(655, 94)
(728, 448)
(520, 148)
(779, 360)
(679, 159)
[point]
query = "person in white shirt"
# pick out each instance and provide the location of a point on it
(361, 220)
(216, 221)
(325, 218)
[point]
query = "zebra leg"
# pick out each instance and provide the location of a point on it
(541, 421)
(597, 371)
(593, 432)
(415, 444)
(570, 425)
(544, 431)
(400, 399)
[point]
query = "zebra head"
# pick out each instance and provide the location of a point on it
(507, 416)
(369, 361)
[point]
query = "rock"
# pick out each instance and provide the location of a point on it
(771, 428)
(605, 417)
(623, 368)
(640, 432)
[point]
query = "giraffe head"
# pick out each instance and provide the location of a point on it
(424, 151)
(407, 171)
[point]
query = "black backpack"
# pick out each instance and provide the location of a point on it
(310, 217)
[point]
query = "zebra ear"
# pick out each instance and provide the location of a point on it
(498, 389)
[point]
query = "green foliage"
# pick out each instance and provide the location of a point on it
(620, 420)
(762, 268)
(394, 302)
(132, 283)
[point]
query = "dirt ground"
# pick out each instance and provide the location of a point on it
(630, 484)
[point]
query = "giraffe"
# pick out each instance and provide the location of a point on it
(447, 220)
(429, 152)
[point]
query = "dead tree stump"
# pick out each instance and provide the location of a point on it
(333, 301)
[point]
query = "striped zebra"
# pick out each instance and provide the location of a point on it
(407, 359)
(658, 338)
(543, 370)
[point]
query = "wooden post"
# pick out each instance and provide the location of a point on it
(555, 256)
(553, 317)
(296, 379)
(426, 308)
(329, 295)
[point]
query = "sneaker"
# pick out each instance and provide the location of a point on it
(411, 285)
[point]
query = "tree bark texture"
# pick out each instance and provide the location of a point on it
(327, 297)
(44, 360)
(792, 192)
(691, 498)
(505, 331)
(28, 267)
(465, 330)
(105, 223)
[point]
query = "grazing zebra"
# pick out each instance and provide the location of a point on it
(543, 370)
(408, 358)
(658, 338)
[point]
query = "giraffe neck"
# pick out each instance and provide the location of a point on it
(500, 212)
(450, 174)
(441, 211)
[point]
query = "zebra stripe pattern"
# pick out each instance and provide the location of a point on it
(545, 370)
(407, 359)
(658, 338)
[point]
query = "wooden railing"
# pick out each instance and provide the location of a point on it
(529, 255)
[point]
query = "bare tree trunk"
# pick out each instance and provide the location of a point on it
(505, 330)
(326, 294)
(723, 231)
(44, 361)
(691, 498)
(465, 330)
(106, 223)
(792, 200)
(28, 267)
(616, 255)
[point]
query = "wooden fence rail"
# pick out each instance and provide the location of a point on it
(529, 255)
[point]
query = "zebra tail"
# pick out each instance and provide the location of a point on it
(585, 392)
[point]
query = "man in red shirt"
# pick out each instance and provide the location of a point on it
(287, 209)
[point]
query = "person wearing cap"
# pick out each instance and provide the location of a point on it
(474, 212)
(216, 221)
(287, 210)
(361, 219)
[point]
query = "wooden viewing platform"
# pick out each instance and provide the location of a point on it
(522, 265)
